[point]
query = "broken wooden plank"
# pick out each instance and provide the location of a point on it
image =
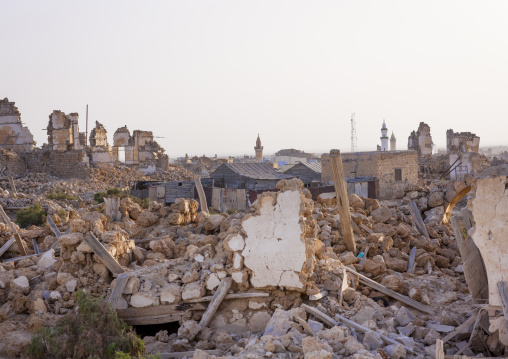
(54, 229)
(342, 199)
(154, 319)
(439, 349)
(412, 264)
(201, 194)
(366, 229)
(381, 288)
(467, 218)
(472, 333)
(229, 296)
(460, 328)
(19, 241)
(305, 326)
(218, 296)
(11, 183)
(364, 258)
(22, 257)
(503, 293)
(35, 245)
(116, 293)
(188, 354)
(417, 219)
(6, 246)
(356, 229)
(103, 254)
(454, 201)
(167, 309)
(332, 323)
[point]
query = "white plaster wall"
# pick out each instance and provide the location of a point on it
(490, 234)
(274, 247)
(102, 156)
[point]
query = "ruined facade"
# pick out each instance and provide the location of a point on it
(63, 132)
(462, 142)
(394, 169)
(421, 140)
(67, 153)
(139, 150)
(13, 135)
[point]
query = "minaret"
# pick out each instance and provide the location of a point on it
(393, 143)
(259, 150)
(384, 137)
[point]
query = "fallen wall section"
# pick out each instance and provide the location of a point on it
(278, 244)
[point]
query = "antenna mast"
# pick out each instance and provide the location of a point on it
(353, 133)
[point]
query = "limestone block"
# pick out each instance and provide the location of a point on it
(372, 340)
(234, 243)
(327, 199)
(38, 305)
(46, 260)
(132, 286)
(212, 282)
(258, 321)
(237, 261)
(21, 283)
(313, 344)
(176, 219)
(239, 277)
(143, 299)
(274, 248)
(382, 214)
(213, 222)
(192, 291)
(171, 293)
(189, 329)
(147, 219)
(84, 247)
(435, 199)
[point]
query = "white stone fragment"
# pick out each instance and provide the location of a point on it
(46, 260)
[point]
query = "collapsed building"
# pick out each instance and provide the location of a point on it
(67, 154)
(464, 159)
(421, 140)
(393, 170)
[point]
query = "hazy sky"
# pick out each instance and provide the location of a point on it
(208, 76)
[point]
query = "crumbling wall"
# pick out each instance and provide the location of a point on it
(380, 164)
(467, 163)
(276, 248)
(11, 163)
(421, 140)
(388, 162)
(13, 135)
(490, 212)
(462, 142)
(63, 132)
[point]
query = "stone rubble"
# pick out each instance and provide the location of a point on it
(286, 245)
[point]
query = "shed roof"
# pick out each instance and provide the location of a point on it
(256, 170)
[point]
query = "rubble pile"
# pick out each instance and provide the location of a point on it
(281, 257)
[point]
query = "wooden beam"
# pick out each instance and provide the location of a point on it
(201, 194)
(342, 200)
(417, 219)
(218, 296)
(229, 296)
(55, 230)
(503, 293)
(116, 293)
(154, 319)
(22, 257)
(460, 328)
(455, 200)
(366, 229)
(11, 182)
(411, 265)
(157, 314)
(381, 288)
(103, 254)
(6, 246)
(332, 323)
(19, 241)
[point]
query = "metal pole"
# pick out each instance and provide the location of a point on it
(86, 136)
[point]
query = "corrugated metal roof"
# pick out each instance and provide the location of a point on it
(257, 170)
(315, 166)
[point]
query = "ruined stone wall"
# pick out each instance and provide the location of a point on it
(406, 161)
(354, 164)
(12, 163)
(462, 142)
(13, 135)
(421, 140)
(490, 211)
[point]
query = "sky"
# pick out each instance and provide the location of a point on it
(207, 76)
